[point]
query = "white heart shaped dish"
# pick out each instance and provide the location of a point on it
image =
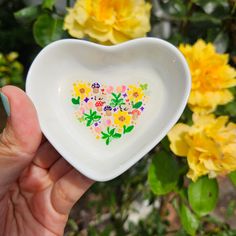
(103, 108)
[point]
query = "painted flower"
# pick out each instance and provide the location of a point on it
(109, 89)
(81, 90)
(211, 76)
(209, 145)
(135, 94)
(108, 21)
(122, 118)
(121, 89)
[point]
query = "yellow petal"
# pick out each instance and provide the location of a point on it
(176, 136)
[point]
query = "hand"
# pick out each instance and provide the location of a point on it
(37, 186)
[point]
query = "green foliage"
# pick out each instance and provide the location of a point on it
(75, 101)
(117, 100)
(48, 4)
(27, 14)
(127, 129)
(231, 208)
(163, 173)
(137, 105)
(159, 177)
(11, 70)
(92, 117)
(47, 29)
(189, 221)
(203, 195)
(111, 134)
(232, 177)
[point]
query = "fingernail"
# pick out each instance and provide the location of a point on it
(5, 103)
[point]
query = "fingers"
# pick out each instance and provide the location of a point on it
(21, 137)
(22, 130)
(59, 169)
(46, 156)
(68, 190)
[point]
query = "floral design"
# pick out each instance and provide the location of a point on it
(135, 93)
(108, 21)
(110, 112)
(81, 90)
(122, 118)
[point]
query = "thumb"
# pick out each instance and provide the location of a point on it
(21, 138)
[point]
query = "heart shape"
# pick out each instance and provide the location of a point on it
(110, 112)
(71, 82)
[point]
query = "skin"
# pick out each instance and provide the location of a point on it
(38, 187)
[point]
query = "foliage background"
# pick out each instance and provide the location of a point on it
(146, 200)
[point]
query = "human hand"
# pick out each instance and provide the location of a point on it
(37, 186)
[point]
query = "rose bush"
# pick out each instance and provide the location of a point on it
(175, 188)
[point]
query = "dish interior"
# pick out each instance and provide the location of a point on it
(50, 85)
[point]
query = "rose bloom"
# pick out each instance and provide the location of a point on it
(108, 21)
(209, 145)
(211, 76)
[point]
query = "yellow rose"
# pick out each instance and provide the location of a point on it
(122, 118)
(108, 21)
(81, 90)
(209, 145)
(135, 94)
(211, 77)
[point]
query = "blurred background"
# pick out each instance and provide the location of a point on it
(132, 204)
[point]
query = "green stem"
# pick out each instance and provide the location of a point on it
(68, 3)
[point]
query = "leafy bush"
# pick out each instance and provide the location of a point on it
(155, 197)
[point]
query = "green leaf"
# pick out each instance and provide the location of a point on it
(112, 131)
(48, 4)
(104, 135)
(114, 95)
(232, 177)
(116, 135)
(175, 8)
(188, 220)
(107, 141)
(203, 195)
(89, 122)
(202, 17)
(47, 29)
(128, 129)
(27, 15)
(163, 173)
(76, 101)
(221, 42)
(144, 86)
(137, 105)
(231, 208)
(228, 109)
(97, 118)
(212, 7)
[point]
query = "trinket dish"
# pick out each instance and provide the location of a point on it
(104, 107)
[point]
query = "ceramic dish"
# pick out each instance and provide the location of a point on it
(104, 107)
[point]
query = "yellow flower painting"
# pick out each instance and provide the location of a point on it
(81, 90)
(135, 93)
(122, 118)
